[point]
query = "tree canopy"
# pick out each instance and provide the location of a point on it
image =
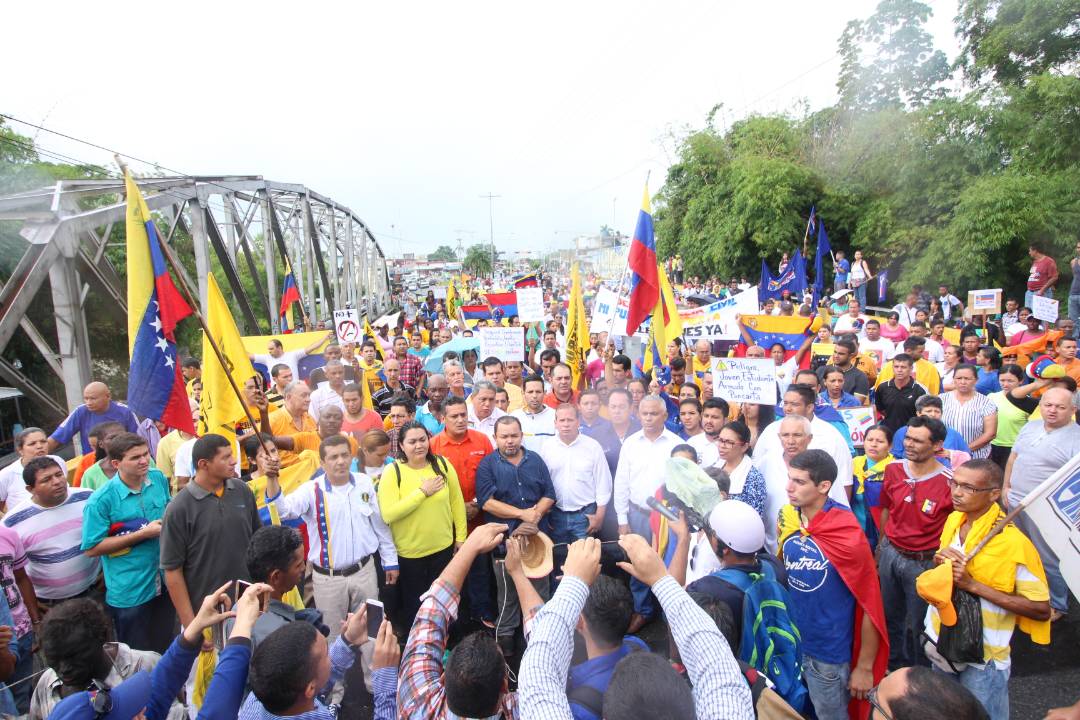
(443, 253)
(939, 173)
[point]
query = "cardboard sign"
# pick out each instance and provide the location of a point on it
(505, 343)
(1044, 308)
(984, 302)
(858, 420)
(603, 313)
(347, 325)
(745, 380)
(530, 304)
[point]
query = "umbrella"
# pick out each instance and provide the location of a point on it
(459, 345)
(701, 299)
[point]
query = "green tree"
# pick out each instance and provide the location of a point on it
(1011, 41)
(478, 260)
(443, 253)
(888, 60)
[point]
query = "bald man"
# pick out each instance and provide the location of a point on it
(98, 407)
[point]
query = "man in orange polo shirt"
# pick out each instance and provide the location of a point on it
(1065, 356)
(464, 449)
(561, 390)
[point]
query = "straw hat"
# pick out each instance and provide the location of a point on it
(536, 560)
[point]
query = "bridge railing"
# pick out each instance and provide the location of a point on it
(332, 253)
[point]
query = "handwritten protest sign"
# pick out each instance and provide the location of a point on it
(858, 420)
(530, 304)
(603, 310)
(745, 380)
(347, 325)
(505, 343)
(1044, 308)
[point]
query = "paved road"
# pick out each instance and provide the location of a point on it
(1044, 677)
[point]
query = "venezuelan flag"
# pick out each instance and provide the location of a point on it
(290, 293)
(503, 305)
(767, 330)
(665, 325)
(644, 271)
(155, 385)
(475, 312)
(529, 280)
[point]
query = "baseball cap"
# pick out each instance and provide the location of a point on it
(935, 587)
(738, 526)
(124, 701)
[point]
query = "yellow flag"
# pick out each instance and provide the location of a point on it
(220, 408)
(451, 304)
(666, 324)
(577, 329)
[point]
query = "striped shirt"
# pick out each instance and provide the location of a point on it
(967, 418)
(998, 623)
(52, 537)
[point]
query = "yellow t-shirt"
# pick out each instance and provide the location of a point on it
(281, 424)
(422, 525)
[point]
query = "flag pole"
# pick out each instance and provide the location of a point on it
(196, 310)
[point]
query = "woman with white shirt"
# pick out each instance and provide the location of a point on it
(747, 482)
(948, 366)
(972, 415)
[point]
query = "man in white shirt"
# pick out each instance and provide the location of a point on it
(714, 412)
(580, 474)
(933, 351)
(800, 400)
(642, 468)
(950, 304)
(882, 349)
(342, 560)
(794, 434)
(537, 419)
(30, 443)
(906, 310)
(853, 321)
(482, 410)
(276, 354)
(330, 392)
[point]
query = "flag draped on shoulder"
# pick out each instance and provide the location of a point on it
(644, 271)
(155, 384)
(220, 407)
(577, 329)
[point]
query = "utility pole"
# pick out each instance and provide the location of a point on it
(491, 225)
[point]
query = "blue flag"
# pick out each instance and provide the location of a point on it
(793, 279)
(882, 285)
(824, 250)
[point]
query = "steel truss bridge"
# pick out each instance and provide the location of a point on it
(333, 255)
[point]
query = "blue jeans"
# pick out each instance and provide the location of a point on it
(1028, 295)
(904, 609)
(860, 293)
(145, 627)
(478, 588)
(828, 686)
(1074, 312)
(570, 525)
(644, 601)
(990, 686)
(23, 669)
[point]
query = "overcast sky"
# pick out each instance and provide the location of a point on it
(408, 112)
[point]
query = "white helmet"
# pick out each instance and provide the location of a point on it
(738, 526)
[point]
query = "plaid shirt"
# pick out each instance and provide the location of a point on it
(412, 370)
(421, 694)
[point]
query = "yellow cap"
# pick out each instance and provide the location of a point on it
(935, 587)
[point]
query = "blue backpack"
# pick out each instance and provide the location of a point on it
(770, 641)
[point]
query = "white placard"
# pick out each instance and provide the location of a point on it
(858, 420)
(710, 331)
(530, 304)
(505, 343)
(749, 380)
(347, 325)
(603, 310)
(1044, 308)
(440, 292)
(743, 303)
(984, 301)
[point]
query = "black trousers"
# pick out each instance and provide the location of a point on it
(415, 576)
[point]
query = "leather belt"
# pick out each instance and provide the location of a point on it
(342, 572)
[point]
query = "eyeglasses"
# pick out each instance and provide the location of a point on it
(872, 699)
(729, 443)
(969, 489)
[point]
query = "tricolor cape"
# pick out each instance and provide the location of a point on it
(837, 532)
